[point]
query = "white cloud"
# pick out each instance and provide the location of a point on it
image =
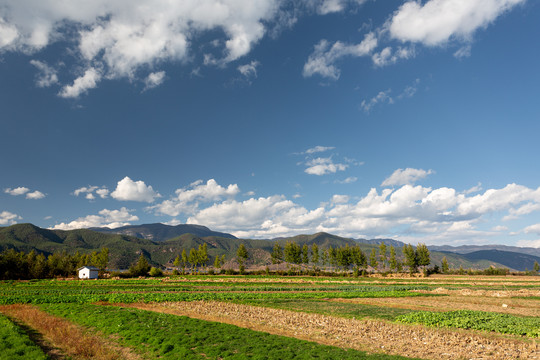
(388, 56)
(129, 190)
(318, 149)
(187, 200)
(529, 243)
(322, 60)
(81, 84)
(525, 209)
(46, 76)
(340, 199)
(122, 37)
(272, 216)
(381, 97)
(405, 176)
(106, 218)
(154, 79)
(330, 6)
(249, 70)
(435, 22)
(21, 190)
(532, 229)
(349, 180)
(92, 191)
(322, 166)
(8, 218)
(476, 188)
(499, 228)
(463, 52)
(35, 195)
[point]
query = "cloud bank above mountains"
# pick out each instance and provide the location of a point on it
(399, 209)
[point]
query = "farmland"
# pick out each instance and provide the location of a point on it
(270, 317)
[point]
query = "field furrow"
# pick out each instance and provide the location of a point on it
(366, 335)
(65, 339)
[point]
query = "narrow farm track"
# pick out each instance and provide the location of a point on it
(367, 335)
(65, 340)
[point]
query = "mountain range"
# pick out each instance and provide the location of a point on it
(162, 243)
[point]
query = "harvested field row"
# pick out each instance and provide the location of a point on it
(62, 339)
(372, 336)
(522, 307)
(484, 293)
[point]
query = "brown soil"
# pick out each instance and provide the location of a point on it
(485, 293)
(523, 307)
(61, 339)
(366, 335)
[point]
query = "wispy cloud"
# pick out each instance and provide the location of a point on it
(406, 176)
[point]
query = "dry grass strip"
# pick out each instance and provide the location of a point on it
(522, 307)
(367, 335)
(65, 337)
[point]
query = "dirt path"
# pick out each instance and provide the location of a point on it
(522, 307)
(61, 339)
(367, 335)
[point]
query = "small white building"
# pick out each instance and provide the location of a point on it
(88, 272)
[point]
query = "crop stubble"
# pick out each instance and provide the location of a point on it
(366, 335)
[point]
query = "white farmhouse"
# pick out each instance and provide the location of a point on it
(88, 272)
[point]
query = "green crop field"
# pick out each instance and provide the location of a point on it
(361, 318)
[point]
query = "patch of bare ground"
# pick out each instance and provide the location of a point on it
(367, 335)
(485, 293)
(61, 339)
(522, 307)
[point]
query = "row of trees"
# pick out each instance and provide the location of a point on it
(347, 257)
(197, 257)
(23, 266)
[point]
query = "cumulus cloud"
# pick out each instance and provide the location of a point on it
(322, 166)
(8, 218)
(129, 190)
(529, 243)
(435, 22)
(409, 212)
(46, 76)
(187, 200)
(90, 192)
(105, 218)
(405, 176)
(21, 190)
(123, 38)
(81, 84)
(270, 216)
(322, 60)
(35, 195)
(532, 229)
(154, 80)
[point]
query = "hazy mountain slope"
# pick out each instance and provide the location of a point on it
(162, 232)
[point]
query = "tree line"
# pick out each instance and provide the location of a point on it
(16, 265)
(348, 258)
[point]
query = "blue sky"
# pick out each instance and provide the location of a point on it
(415, 120)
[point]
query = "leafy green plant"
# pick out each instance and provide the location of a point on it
(477, 320)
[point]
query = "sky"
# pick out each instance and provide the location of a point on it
(411, 120)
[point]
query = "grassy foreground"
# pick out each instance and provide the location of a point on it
(15, 343)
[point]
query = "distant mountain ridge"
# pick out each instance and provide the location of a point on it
(162, 232)
(125, 248)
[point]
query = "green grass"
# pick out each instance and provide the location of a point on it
(476, 320)
(15, 343)
(346, 310)
(167, 336)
